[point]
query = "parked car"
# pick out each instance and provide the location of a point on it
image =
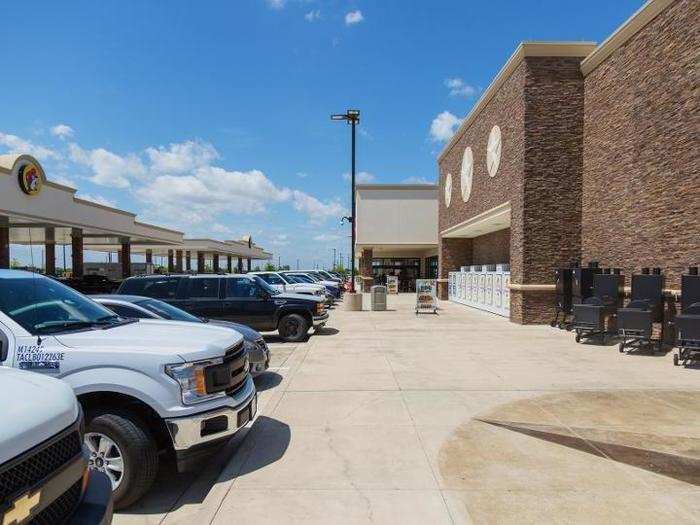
(329, 276)
(285, 283)
(136, 307)
(145, 386)
(332, 286)
(243, 299)
(44, 475)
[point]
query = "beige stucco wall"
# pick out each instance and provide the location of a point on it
(396, 214)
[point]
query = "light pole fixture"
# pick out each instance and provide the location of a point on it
(352, 117)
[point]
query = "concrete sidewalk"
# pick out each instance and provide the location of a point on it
(460, 417)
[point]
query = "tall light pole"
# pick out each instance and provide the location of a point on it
(333, 267)
(352, 117)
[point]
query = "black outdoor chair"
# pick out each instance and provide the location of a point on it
(635, 322)
(688, 321)
(592, 315)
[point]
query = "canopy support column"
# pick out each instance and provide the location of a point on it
(4, 244)
(171, 261)
(50, 250)
(77, 252)
(178, 261)
(126, 257)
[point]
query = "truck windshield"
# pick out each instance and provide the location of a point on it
(43, 306)
(269, 289)
(167, 311)
(304, 278)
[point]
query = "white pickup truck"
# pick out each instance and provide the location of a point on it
(284, 283)
(44, 475)
(145, 386)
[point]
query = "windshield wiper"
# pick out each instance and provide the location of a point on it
(107, 319)
(68, 324)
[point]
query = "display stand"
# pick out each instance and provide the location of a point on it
(426, 296)
(392, 284)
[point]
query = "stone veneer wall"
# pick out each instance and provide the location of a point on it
(641, 166)
(366, 274)
(492, 248)
(540, 112)
(507, 110)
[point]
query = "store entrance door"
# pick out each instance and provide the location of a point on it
(406, 269)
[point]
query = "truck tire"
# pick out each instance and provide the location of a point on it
(116, 435)
(293, 328)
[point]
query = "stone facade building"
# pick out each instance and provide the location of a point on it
(580, 153)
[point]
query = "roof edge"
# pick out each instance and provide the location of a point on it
(630, 27)
(396, 186)
(524, 49)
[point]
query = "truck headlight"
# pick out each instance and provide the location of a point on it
(320, 309)
(191, 378)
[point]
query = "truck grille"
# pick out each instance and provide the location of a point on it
(27, 470)
(230, 375)
(61, 508)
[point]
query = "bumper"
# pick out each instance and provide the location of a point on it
(197, 435)
(96, 505)
(320, 320)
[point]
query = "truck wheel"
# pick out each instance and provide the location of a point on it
(126, 452)
(293, 328)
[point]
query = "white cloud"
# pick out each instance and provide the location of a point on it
(63, 180)
(302, 175)
(458, 88)
(181, 157)
(317, 211)
(417, 180)
(354, 17)
(99, 199)
(276, 4)
(16, 145)
(361, 177)
(108, 169)
(279, 239)
(313, 15)
(327, 237)
(444, 126)
(62, 131)
(210, 191)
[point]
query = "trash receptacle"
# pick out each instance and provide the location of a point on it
(378, 293)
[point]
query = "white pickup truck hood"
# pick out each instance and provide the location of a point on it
(33, 408)
(190, 341)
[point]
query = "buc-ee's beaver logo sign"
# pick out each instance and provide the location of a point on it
(29, 179)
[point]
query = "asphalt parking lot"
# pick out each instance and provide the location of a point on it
(460, 417)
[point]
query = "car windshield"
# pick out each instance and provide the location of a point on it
(269, 289)
(167, 311)
(43, 306)
(305, 278)
(292, 279)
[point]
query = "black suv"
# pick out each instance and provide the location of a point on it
(245, 299)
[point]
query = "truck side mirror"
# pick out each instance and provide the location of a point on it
(4, 347)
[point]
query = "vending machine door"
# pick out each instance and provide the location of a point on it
(498, 290)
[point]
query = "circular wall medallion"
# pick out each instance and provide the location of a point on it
(29, 178)
(467, 173)
(493, 151)
(448, 190)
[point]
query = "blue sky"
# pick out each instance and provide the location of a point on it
(212, 117)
